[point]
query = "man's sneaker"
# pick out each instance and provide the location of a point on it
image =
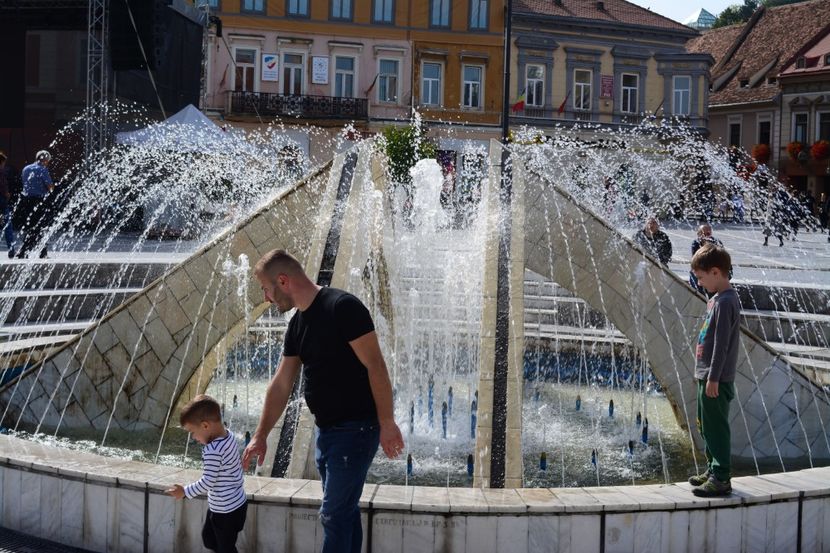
(11, 252)
(713, 488)
(700, 479)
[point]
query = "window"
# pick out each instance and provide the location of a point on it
(801, 63)
(472, 86)
(535, 83)
(431, 84)
(383, 11)
(439, 13)
(341, 9)
(297, 8)
(253, 6)
(827, 60)
(800, 121)
(764, 132)
(735, 134)
(388, 81)
(744, 83)
(343, 77)
(630, 93)
(292, 74)
(245, 70)
(479, 14)
(682, 97)
(823, 126)
(582, 89)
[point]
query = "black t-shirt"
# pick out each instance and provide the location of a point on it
(336, 383)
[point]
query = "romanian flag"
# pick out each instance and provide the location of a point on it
(520, 104)
(564, 102)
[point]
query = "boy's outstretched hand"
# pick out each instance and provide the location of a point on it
(711, 389)
(176, 491)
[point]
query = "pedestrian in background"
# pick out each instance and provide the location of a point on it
(6, 205)
(37, 184)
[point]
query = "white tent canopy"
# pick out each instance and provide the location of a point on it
(188, 130)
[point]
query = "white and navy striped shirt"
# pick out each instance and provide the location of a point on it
(222, 477)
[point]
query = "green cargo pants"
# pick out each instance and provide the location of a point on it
(713, 423)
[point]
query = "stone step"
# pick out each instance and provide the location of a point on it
(804, 329)
(60, 275)
(53, 306)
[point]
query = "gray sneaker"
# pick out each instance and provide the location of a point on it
(700, 479)
(713, 488)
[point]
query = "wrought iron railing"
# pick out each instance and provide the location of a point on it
(309, 107)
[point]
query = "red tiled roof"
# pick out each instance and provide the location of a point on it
(776, 36)
(818, 54)
(618, 11)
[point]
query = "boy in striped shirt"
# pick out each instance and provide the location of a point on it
(222, 477)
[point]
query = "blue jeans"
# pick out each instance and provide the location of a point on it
(344, 453)
(8, 229)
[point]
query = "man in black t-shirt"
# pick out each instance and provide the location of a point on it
(346, 387)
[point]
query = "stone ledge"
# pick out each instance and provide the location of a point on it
(18, 454)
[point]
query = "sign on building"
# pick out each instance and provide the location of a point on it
(270, 67)
(606, 89)
(320, 70)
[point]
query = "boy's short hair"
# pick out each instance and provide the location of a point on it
(711, 256)
(200, 408)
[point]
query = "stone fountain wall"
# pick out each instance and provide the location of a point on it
(133, 365)
(778, 410)
(100, 504)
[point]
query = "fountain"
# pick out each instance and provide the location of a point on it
(430, 281)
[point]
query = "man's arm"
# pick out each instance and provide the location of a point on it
(368, 352)
(276, 398)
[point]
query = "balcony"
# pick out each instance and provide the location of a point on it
(306, 107)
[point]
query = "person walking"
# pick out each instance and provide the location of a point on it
(347, 389)
(6, 206)
(222, 479)
(37, 184)
(654, 241)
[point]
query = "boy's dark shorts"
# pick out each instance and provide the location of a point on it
(220, 529)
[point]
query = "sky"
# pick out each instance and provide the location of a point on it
(681, 10)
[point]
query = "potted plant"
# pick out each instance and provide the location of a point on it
(794, 148)
(761, 153)
(820, 150)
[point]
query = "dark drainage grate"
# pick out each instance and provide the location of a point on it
(15, 542)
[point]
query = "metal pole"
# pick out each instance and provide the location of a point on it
(508, 30)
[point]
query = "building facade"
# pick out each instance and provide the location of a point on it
(753, 60)
(805, 116)
(326, 63)
(606, 62)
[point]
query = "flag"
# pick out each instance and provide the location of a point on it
(224, 75)
(561, 109)
(371, 86)
(520, 104)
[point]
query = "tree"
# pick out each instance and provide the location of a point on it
(736, 13)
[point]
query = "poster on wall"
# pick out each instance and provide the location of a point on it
(320, 70)
(606, 86)
(270, 68)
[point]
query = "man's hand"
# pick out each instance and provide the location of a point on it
(256, 449)
(711, 389)
(391, 439)
(176, 491)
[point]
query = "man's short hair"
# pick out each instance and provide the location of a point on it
(711, 256)
(2, 156)
(278, 261)
(201, 408)
(43, 155)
